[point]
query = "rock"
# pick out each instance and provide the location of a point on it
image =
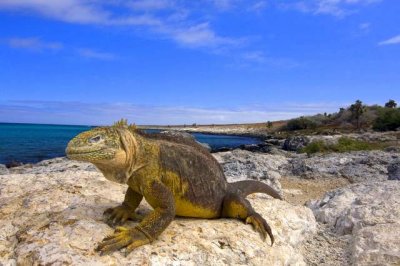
(275, 142)
(56, 218)
(60, 164)
(328, 140)
(359, 166)
(3, 169)
(392, 149)
(295, 143)
(181, 134)
(262, 147)
(394, 170)
(377, 245)
(13, 164)
(241, 165)
(370, 212)
(373, 136)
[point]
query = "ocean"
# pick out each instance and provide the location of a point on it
(31, 143)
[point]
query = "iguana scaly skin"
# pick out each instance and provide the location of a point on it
(176, 176)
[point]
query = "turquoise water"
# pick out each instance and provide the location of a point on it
(31, 143)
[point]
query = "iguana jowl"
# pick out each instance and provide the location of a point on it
(176, 176)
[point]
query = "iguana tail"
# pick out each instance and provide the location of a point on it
(247, 187)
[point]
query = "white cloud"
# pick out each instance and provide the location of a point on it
(173, 23)
(199, 36)
(65, 10)
(393, 40)
(106, 113)
(89, 53)
(258, 6)
(33, 43)
(338, 8)
(151, 4)
(224, 4)
(365, 26)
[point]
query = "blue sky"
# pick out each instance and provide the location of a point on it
(206, 61)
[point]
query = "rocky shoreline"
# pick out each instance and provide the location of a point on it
(339, 209)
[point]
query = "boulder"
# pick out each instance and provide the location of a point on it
(240, 165)
(56, 218)
(370, 212)
(358, 166)
(295, 143)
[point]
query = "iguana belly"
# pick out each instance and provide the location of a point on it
(186, 208)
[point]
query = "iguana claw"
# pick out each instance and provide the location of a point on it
(261, 226)
(120, 214)
(130, 238)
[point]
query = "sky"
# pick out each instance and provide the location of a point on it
(182, 62)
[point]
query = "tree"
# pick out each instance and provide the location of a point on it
(269, 124)
(391, 104)
(357, 109)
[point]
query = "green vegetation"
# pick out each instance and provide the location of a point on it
(344, 145)
(300, 123)
(355, 117)
(388, 119)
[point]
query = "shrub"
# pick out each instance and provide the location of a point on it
(388, 119)
(300, 123)
(314, 147)
(344, 145)
(347, 144)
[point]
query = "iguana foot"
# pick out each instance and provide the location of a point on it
(120, 214)
(261, 226)
(130, 238)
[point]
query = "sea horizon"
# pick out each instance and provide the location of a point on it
(32, 143)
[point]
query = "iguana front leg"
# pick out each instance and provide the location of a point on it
(120, 214)
(162, 200)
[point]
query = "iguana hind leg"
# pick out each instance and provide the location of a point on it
(238, 207)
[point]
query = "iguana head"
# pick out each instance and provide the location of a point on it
(96, 145)
(111, 149)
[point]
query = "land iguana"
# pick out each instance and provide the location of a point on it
(176, 175)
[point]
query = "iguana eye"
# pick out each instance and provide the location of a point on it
(95, 139)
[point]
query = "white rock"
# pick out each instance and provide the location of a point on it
(56, 218)
(358, 166)
(241, 165)
(371, 213)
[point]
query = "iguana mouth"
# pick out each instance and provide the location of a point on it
(79, 152)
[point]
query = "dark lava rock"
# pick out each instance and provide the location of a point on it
(394, 170)
(295, 143)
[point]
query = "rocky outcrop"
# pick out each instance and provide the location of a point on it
(55, 217)
(370, 212)
(358, 166)
(295, 143)
(241, 165)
